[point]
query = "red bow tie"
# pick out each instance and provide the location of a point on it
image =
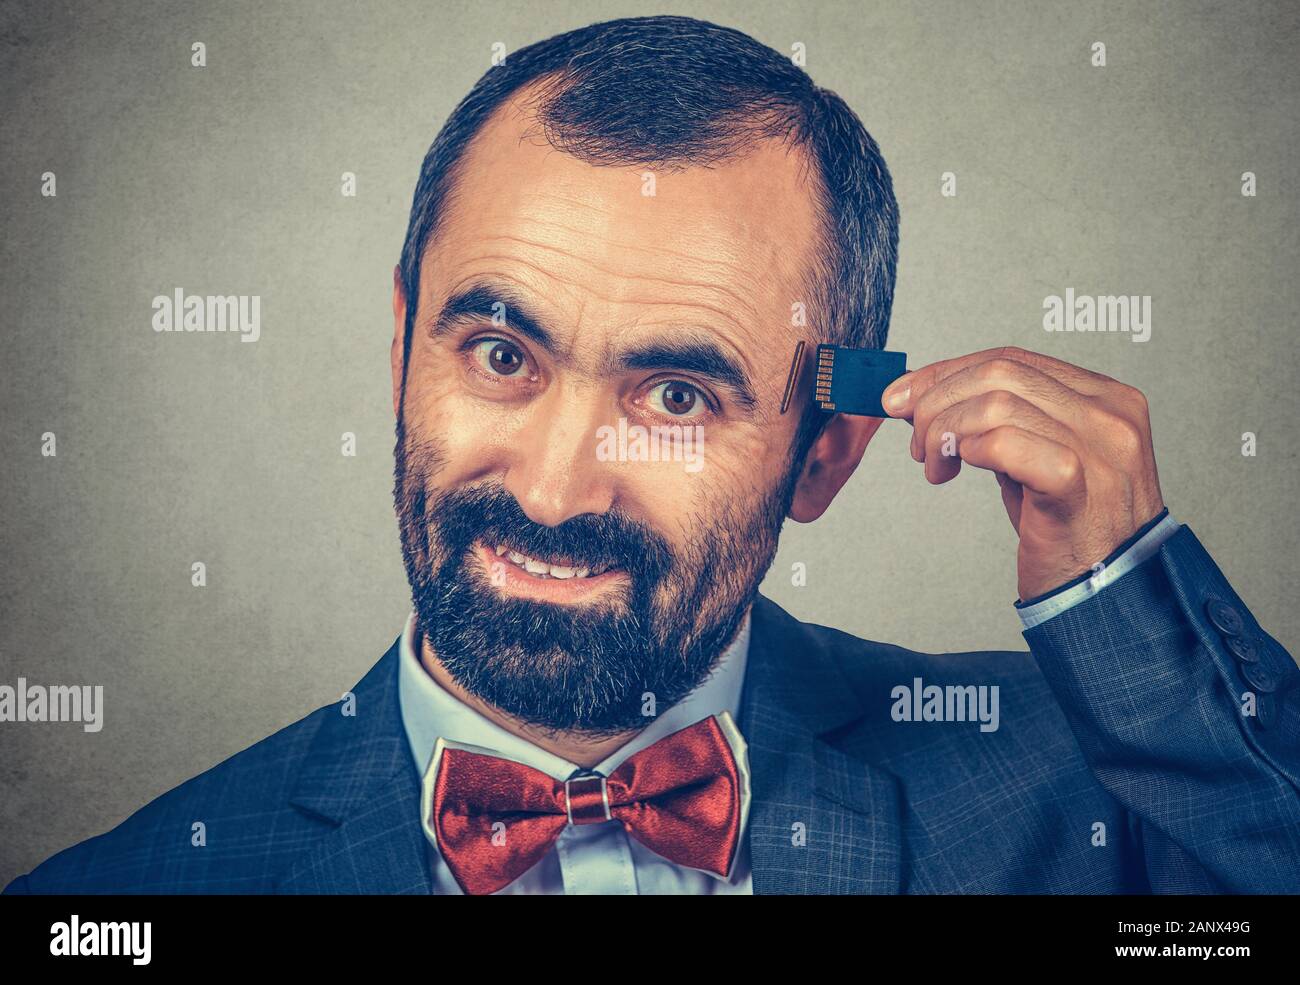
(685, 798)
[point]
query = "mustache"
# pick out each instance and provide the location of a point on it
(489, 513)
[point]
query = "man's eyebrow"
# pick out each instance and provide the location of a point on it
(687, 351)
(692, 353)
(480, 301)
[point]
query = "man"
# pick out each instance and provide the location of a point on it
(624, 227)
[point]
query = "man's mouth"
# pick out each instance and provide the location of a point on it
(552, 579)
(550, 568)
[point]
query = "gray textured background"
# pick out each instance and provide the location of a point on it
(225, 179)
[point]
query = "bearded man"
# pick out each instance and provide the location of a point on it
(590, 694)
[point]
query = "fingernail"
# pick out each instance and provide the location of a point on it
(897, 400)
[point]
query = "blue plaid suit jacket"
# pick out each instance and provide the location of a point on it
(1126, 712)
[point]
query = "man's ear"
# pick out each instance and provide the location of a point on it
(831, 460)
(397, 355)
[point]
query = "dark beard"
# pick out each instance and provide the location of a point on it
(585, 668)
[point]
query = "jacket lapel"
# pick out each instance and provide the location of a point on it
(820, 821)
(359, 778)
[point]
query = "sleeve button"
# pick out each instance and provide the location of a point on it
(1226, 619)
(1261, 678)
(1242, 648)
(1265, 711)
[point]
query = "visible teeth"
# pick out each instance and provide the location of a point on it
(544, 570)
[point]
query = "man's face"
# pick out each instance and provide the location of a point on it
(618, 309)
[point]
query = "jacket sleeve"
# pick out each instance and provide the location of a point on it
(1188, 713)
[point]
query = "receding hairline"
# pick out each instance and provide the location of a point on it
(530, 103)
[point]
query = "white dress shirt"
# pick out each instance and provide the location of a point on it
(586, 858)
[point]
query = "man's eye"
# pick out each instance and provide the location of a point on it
(677, 399)
(499, 357)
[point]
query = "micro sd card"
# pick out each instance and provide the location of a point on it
(852, 381)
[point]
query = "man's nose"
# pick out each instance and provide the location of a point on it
(554, 471)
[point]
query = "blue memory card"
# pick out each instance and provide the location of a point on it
(852, 381)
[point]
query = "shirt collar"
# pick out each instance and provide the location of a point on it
(430, 711)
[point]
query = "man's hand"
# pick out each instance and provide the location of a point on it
(1071, 450)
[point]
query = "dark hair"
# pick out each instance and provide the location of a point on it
(673, 92)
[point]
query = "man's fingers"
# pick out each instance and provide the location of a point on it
(1051, 396)
(1040, 464)
(939, 445)
(901, 395)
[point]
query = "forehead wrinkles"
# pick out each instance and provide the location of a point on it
(696, 307)
(735, 283)
(718, 276)
(512, 173)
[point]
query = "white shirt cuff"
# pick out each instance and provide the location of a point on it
(1147, 545)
